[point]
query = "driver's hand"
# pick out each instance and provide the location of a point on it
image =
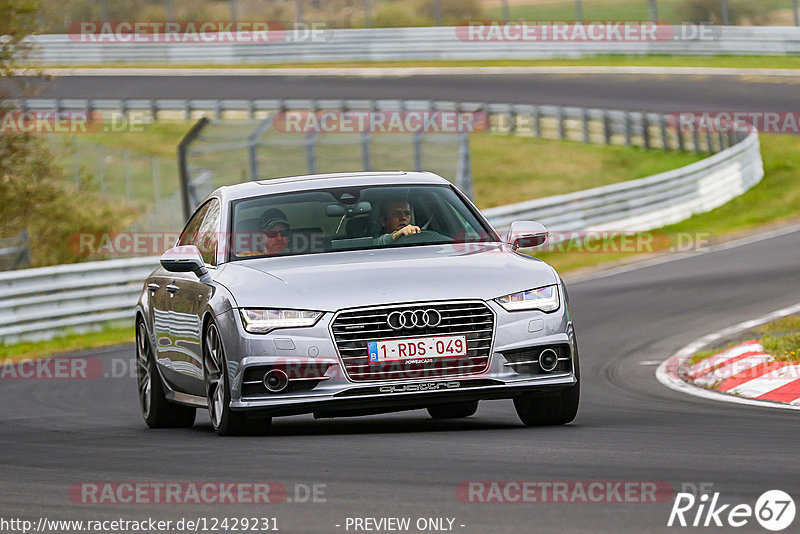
(406, 230)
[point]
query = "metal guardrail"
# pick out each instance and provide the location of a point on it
(602, 126)
(397, 44)
(39, 303)
(647, 203)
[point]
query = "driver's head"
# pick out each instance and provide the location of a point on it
(395, 214)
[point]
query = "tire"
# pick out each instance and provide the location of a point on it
(225, 421)
(157, 411)
(557, 408)
(453, 411)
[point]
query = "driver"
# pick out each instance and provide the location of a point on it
(395, 220)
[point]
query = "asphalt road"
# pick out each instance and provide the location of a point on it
(58, 433)
(665, 93)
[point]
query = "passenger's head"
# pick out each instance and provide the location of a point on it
(395, 214)
(276, 228)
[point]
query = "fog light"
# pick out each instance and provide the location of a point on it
(548, 360)
(276, 381)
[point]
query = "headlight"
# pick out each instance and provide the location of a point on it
(262, 321)
(543, 298)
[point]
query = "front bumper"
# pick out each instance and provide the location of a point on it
(337, 395)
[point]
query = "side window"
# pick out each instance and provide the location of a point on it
(208, 234)
(189, 235)
(202, 230)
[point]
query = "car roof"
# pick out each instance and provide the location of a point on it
(319, 181)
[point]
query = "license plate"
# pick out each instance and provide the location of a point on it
(417, 348)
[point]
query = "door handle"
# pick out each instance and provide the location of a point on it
(153, 287)
(172, 288)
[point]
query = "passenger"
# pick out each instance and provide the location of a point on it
(271, 236)
(395, 220)
(276, 228)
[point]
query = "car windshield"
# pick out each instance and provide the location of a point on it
(353, 218)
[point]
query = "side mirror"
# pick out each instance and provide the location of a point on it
(184, 259)
(525, 234)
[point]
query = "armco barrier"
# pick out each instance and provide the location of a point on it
(397, 44)
(40, 303)
(649, 202)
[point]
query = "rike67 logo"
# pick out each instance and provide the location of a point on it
(774, 510)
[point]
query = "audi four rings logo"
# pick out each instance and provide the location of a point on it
(398, 320)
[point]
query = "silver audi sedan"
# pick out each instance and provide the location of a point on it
(347, 295)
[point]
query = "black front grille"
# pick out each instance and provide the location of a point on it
(526, 361)
(353, 330)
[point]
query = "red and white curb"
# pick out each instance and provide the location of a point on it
(743, 374)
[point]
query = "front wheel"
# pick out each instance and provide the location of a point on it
(455, 410)
(557, 408)
(157, 411)
(218, 392)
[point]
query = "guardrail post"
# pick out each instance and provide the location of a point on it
(681, 140)
(731, 137)
(645, 131)
(310, 156)
(696, 140)
(537, 122)
(251, 111)
(562, 127)
(417, 151)
(24, 259)
(662, 126)
(628, 133)
(587, 138)
(154, 109)
(217, 109)
(512, 120)
(710, 141)
(606, 127)
(187, 110)
(365, 150)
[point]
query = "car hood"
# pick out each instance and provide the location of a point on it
(332, 281)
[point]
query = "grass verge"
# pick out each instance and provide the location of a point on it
(775, 200)
(779, 338)
(109, 335)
